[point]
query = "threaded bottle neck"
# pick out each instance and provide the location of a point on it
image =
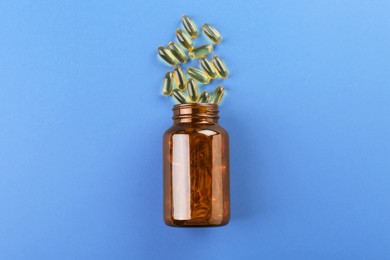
(195, 113)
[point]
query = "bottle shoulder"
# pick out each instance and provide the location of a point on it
(207, 129)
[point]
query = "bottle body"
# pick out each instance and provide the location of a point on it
(196, 168)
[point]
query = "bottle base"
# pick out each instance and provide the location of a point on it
(194, 223)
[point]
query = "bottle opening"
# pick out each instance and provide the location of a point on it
(199, 113)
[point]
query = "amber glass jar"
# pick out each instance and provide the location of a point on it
(196, 168)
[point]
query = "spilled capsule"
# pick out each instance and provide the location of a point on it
(180, 96)
(217, 95)
(167, 83)
(220, 66)
(212, 33)
(192, 89)
(198, 75)
(178, 52)
(201, 51)
(208, 67)
(204, 96)
(184, 39)
(180, 78)
(167, 56)
(190, 26)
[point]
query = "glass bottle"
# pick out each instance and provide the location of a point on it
(196, 168)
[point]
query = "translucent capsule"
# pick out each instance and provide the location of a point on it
(220, 66)
(192, 89)
(204, 96)
(180, 78)
(217, 95)
(198, 75)
(208, 67)
(167, 83)
(180, 96)
(190, 26)
(201, 51)
(212, 33)
(184, 39)
(167, 55)
(178, 52)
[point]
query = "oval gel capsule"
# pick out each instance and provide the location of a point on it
(212, 33)
(220, 66)
(167, 83)
(178, 52)
(180, 96)
(217, 95)
(198, 75)
(201, 51)
(184, 39)
(167, 56)
(192, 89)
(204, 96)
(190, 26)
(180, 78)
(208, 67)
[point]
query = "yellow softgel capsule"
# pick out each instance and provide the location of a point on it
(198, 75)
(204, 96)
(178, 52)
(208, 67)
(167, 56)
(180, 96)
(201, 51)
(220, 66)
(192, 89)
(212, 33)
(217, 95)
(180, 78)
(184, 39)
(167, 83)
(190, 26)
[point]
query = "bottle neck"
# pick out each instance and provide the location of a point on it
(195, 113)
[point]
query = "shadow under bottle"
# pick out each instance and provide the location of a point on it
(196, 168)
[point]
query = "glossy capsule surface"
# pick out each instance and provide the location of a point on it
(212, 33)
(217, 95)
(180, 78)
(190, 26)
(208, 67)
(184, 39)
(178, 52)
(204, 96)
(167, 83)
(180, 96)
(192, 89)
(201, 51)
(198, 75)
(220, 66)
(167, 56)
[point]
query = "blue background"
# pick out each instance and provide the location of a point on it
(82, 118)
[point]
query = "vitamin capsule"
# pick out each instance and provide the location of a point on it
(184, 39)
(212, 33)
(208, 67)
(177, 51)
(180, 78)
(201, 51)
(167, 83)
(180, 96)
(190, 26)
(204, 96)
(167, 55)
(192, 89)
(220, 66)
(217, 95)
(198, 75)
